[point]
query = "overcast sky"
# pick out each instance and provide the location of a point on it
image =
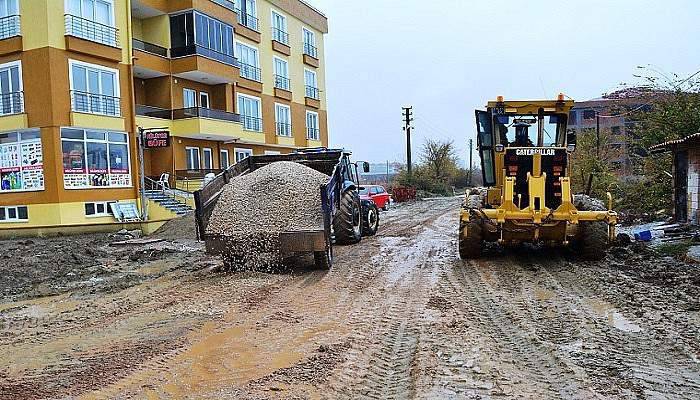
(448, 57)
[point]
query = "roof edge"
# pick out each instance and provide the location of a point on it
(304, 12)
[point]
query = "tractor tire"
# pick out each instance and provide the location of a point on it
(593, 239)
(470, 233)
(370, 219)
(324, 259)
(347, 225)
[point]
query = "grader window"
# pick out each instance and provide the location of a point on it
(522, 130)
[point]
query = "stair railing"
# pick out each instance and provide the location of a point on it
(153, 185)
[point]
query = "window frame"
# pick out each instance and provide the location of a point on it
(107, 209)
(86, 169)
(237, 151)
(257, 61)
(317, 127)
(243, 116)
(288, 109)
(185, 93)
(100, 69)
(204, 95)
(8, 66)
(228, 159)
(7, 220)
(188, 149)
(283, 17)
(112, 16)
(206, 158)
(21, 144)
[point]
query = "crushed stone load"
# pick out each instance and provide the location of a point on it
(255, 208)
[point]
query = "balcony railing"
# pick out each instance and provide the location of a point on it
(195, 49)
(310, 50)
(281, 82)
(251, 123)
(247, 20)
(251, 72)
(312, 92)
(9, 26)
(91, 30)
(11, 103)
(153, 112)
(281, 36)
(201, 112)
(150, 48)
(313, 133)
(284, 129)
(226, 4)
(95, 103)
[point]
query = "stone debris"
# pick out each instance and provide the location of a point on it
(255, 208)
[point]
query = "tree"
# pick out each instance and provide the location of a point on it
(437, 171)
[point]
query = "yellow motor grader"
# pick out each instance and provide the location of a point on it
(525, 150)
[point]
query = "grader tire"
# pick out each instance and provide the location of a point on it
(593, 238)
(470, 234)
(348, 223)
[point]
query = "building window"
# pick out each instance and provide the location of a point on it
(21, 161)
(281, 73)
(272, 153)
(94, 158)
(279, 28)
(204, 99)
(92, 20)
(195, 33)
(573, 120)
(94, 89)
(251, 114)
(312, 91)
(14, 214)
(192, 158)
(208, 158)
(9, 19)
(247, 16)
(312, 130)
(224, 162)
(309, 43)
(589, 114)
(11, 95)
(616, 130)
(189, 98)
(283, 117)
(99, 209)
(250, 62)
(242, 154)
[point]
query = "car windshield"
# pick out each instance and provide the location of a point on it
(364, 191)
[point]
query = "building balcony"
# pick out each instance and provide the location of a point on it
(252, 123)
(311, 50)
(251, 72)
(280, 42)
(284, 129)
(11, 103)
(282, 82)
(248, 20)
(313, 134)
(90, 30)
(149, 48)
(150, 60)
(204, 52)
(9, 27)
(226, 4)
(312, 92)
(204, 65)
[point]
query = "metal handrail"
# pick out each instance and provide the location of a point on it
(251, 72)
(282, 82)
(150, 48)
(91, 30)
(9, 26)
(312, 92)
(195, 49)
(252, 123)
(284, 129)
(152, 185)
(247, 20)
(281, 36)
(310, 50)
(226, 4)
(202, 112)
(11, 103)
(95, 103)
(313, 133)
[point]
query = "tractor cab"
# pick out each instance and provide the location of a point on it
(522, 139)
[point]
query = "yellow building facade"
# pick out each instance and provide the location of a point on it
(80, 78)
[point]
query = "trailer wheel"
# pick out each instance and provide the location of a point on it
(370, 219)
(347, 226)
(324, 259)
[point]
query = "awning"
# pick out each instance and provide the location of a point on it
(659, 148)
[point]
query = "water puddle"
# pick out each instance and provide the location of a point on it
(614, 317)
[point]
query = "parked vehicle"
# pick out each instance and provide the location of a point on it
(377, 194)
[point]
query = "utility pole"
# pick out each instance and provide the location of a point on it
(142, 176)
(471, 162)
(387, 173)
(408, 118)
(597, 135)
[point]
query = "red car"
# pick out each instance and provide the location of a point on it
(377, 194)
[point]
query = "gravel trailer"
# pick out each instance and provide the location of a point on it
(345, 216)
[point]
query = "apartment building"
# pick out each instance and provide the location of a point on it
(79, 78)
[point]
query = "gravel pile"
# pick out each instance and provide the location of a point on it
(255, 208)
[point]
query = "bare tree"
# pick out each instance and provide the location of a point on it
(440, 158)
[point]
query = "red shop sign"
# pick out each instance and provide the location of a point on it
(156, 139)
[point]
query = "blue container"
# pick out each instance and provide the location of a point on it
(643, 236)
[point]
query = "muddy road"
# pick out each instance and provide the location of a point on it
(398, 317)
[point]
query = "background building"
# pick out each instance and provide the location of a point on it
(78, 78)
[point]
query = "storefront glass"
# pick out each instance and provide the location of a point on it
(21, 161)
(95, 159)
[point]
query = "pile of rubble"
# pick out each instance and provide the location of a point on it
(255, 208)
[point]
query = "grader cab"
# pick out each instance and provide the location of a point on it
(525, 153)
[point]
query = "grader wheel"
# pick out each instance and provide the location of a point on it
(470, 232)
(592, 240)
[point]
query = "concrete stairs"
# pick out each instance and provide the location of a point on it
(167, 201)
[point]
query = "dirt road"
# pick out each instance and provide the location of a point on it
(398, 317)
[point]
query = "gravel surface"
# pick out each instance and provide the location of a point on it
(255, 208)
(399, 316)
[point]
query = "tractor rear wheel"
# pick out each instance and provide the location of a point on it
(470, 233)
(347, 225)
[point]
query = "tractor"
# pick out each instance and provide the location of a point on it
(525, 150)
